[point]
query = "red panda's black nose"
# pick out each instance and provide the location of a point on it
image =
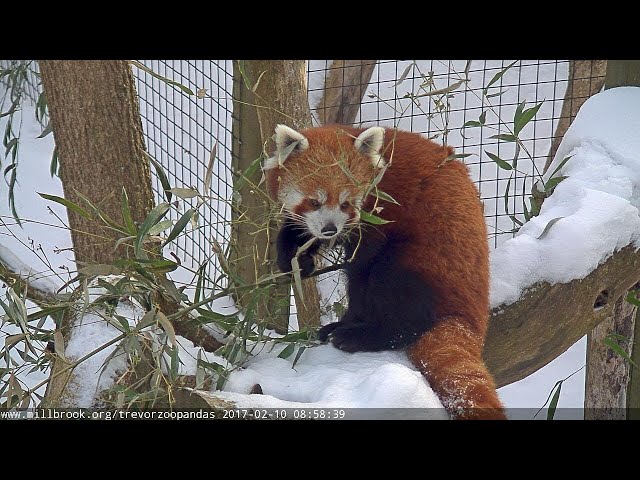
(329, 230)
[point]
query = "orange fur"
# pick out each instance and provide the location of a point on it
(441, 217)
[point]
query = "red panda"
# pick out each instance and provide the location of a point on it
(420, 281)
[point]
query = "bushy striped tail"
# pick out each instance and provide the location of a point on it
(450, 358)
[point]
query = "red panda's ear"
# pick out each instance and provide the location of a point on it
(370, 143)
(287, 140)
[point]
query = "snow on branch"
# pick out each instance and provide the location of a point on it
(565, 269)
(13, 271)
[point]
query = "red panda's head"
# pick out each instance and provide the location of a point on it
(321, 175)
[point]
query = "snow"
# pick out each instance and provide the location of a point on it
(37, 280)
(598, 201)
(597, 204)
(325, 377)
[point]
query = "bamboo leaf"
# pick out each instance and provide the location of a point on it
(70, 205)
(288, 350)
(126, 213)
(404, 74)
(184, 192)
(373, 219)
(180, 225)
(505, 137)
(498, 76)
(553, 183)
(161, 78)
(164, 181)
(298, 355)
(554, 401)
(525, 117)
(167, 327)
(611, 343)
(500, 162)
(209, 173)
(560, 165)
(160, 227)
(154, 217)
(548, 227)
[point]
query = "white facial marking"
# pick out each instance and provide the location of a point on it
(324, 216)
(344, 194)
(290, 197)
(321, 196)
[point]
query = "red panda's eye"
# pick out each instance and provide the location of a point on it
(344, 205)
(314, 203)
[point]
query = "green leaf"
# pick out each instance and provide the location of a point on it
(483, 117)
(148, 319)
(384, 196)
(498, 94)
(552, 183)
(180, 225)
(154, 217)
(505, 137)
(184, 192)
(99, 269)
(525, 117)
(126, 213)
(548, 227)
(288, 350)
(53, 168)
(47, 130)
(70, 205)
(373, 219)
(633, 299)
(164, 181)
(498, 76)
(298, 355)
(472, 123)
(160, 227)
(515, 220)
(611, 343)
(161, 78)
(501, 163)
(506, 195)
(560, 165)
(554, 401)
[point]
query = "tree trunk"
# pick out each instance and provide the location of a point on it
(586, 78)
(95, 116)
(98, 132)
(281, 97)
(345, 85)
(607, 371)
(608, 392)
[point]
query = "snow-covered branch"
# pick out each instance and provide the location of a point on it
(13, 271)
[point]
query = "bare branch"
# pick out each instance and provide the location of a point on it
(345, 85)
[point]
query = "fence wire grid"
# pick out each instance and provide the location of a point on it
(181, 129)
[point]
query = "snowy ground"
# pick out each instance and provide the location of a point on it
(599, 205)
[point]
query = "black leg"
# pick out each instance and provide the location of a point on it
(392, 307)
(290, 238)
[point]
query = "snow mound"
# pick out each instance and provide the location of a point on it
(325, 377)
(597, 205)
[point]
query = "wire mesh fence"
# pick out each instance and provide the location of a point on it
(467, 105)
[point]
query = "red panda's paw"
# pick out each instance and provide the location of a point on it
(307, 265)
(324, 332)
(358, 337)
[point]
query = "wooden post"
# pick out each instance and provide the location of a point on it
(252, 224)
(621, 73)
